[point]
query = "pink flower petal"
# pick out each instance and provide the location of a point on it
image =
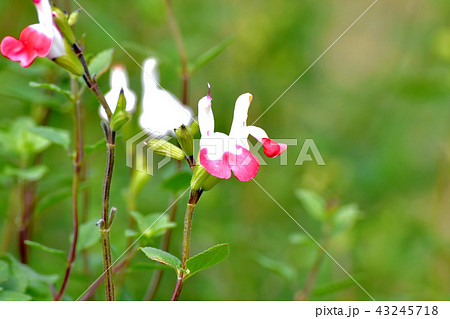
(218, 168)
(272, 148)
(244, 164)
(30, 45)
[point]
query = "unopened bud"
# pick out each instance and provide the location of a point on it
(162, 147)
(185, 139)
(194, 128)
(73, 17)
(62, 23)
(120, 116)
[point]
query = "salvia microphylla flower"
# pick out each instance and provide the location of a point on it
(162, 112)
(118, 80)
(37, 40)
(221, 154)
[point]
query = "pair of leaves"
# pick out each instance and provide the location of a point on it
(206, 259)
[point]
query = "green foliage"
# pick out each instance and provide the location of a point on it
(22, 282)
(52, 87)
(101, 62)
(152, 225)
(33, 173)
(57, 136)
(211, 54)
(345, 217)
(313, 203)
(206, 259)
(101, 144)
(49, 250)
(163, 257)
(281, 268)
(88, 235)
(19, 140)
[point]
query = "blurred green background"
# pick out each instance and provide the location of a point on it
(376, 105)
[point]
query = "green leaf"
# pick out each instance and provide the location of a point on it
(54, 135)
(24, 280)
(299, 239)
(88, 149)
(49, 250)
(4, 271)
(345, 217)
(152, 225)
(88, 236)
(52, 87)
(206, 259)
(177, 182)
(34, 173)
(18, 139)
(53, 197)
(313, 203)
(333, 287)
(163, 257)
(101, 62)
(9, 295)
(211, 54)
(277, 266)
(150, 265)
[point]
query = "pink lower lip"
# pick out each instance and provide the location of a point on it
(37, 1)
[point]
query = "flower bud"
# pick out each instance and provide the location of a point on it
(194, 128)
(120, 116)
(69, 61)
(201, 179)
(185, 139)
(73, 17)
(62, 23)
(162, 147)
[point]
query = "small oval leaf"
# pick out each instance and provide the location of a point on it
(206, 259)
(163, 257)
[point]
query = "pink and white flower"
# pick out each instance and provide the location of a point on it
(162, 112)
(118, 80)
(221, 154)
(37, 40)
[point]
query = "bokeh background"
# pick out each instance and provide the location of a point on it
(376, 106)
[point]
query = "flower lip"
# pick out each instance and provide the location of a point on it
(272, 148)
(37, 1)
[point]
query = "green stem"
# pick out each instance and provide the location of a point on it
(110, 135)
(79, 154)
(193, 199)
(107, 218)
(91, 82)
